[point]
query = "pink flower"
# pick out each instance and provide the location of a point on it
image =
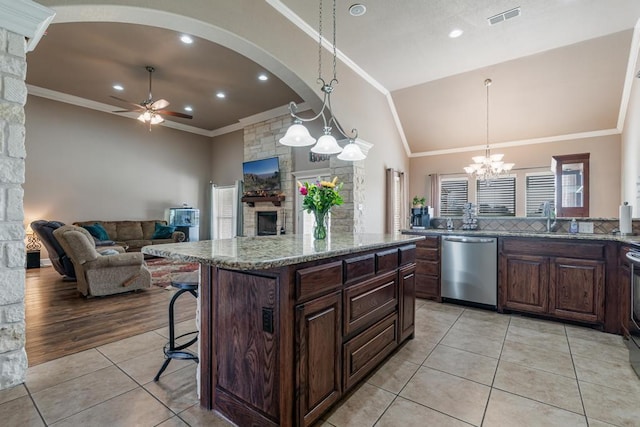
(303, 191)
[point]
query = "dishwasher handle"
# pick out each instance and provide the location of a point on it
(465, 239)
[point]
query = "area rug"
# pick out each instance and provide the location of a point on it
(164, 270)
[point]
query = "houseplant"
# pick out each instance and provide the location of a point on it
(418, 202)
(319, 198)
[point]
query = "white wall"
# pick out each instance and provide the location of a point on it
(630, 188)
(85, 165)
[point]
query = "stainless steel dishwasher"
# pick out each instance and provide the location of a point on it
(469, 269)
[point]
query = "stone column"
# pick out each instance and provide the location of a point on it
(20, 19)
(349, 217)
(13, 96)
(261, 142)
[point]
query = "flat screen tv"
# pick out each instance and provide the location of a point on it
(261, 177)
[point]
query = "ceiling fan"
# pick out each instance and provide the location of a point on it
(151, 111)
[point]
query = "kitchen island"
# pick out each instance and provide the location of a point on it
(288, 325)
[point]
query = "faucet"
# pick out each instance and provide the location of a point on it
(548, 213)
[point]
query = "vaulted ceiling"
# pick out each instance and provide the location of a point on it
(560, 68)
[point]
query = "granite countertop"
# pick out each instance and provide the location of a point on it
(629, 239)
(256, 253)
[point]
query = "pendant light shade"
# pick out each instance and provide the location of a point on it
(351, 152)
(326, 144)
(297, 136)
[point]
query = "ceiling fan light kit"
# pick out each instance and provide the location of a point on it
(298, 136)
(151, 111)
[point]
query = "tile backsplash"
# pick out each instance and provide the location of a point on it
(536, 225)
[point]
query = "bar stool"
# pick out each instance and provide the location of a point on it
(173, 350)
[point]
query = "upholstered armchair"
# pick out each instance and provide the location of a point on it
(104, 274)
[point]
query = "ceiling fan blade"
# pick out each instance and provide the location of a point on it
(127, 102)
(175, 114)
(160, 104)
(125, 111)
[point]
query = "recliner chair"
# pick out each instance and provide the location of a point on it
(99, 274)
(59, 259)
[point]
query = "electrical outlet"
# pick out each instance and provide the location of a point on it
(585, 227)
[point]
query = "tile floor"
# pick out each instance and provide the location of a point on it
(465, 367)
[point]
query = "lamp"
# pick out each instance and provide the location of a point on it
(33, 243)
(298, 136)
(490, 166)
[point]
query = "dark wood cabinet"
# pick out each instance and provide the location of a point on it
(624, 280)
(407, 301)
(350, 314)
(319, 346)
(576, 289)
(563, 279)
(428, 268)
(524, 283)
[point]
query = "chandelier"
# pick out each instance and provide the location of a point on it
(298, 136)
(490, 166)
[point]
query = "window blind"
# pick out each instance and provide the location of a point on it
(540, 188)
(497, 197)
(454, 193)
(223, 214)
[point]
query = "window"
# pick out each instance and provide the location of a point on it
(454, 193)
(497, 197)
(224, 218)
(395, 198)
(540, 188)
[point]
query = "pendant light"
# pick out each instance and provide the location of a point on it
(298, 136)
(490, 166)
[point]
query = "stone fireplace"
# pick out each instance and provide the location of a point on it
(260, 142)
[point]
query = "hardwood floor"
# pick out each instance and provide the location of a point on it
(60, 321)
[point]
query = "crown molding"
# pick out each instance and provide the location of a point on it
(27, 18)
(522, 142)
(257, 118)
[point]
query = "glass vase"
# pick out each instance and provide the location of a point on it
(320, 225)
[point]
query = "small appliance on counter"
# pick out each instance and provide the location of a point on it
(420, 218)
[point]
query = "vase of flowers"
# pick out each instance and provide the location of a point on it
(319, 198)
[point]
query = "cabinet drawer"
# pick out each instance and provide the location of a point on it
(369, 301)
(365, 351)
(427, 286)
(428, 267)
(315, 281)
(551, 248)
(429, 242)
(386, 260)
(428, 254)
(407, 254)
(359, 267)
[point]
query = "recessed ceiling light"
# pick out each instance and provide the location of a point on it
(118, 87)
(188, 108)
(186, 39)
(221, 95)
(357, 9)
(263, 77)
(455, 33)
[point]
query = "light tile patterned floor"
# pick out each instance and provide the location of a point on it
(465, 367)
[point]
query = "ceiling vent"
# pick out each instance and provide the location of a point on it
(511, 13)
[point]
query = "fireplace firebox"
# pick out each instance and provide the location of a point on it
(267, 223)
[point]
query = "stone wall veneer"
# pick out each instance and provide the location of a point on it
(13, 96)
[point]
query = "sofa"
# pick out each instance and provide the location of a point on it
(133, 235)
(100, 274)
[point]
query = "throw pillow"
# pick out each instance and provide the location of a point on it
(97, 231)
(163, 231)
(109, 252)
